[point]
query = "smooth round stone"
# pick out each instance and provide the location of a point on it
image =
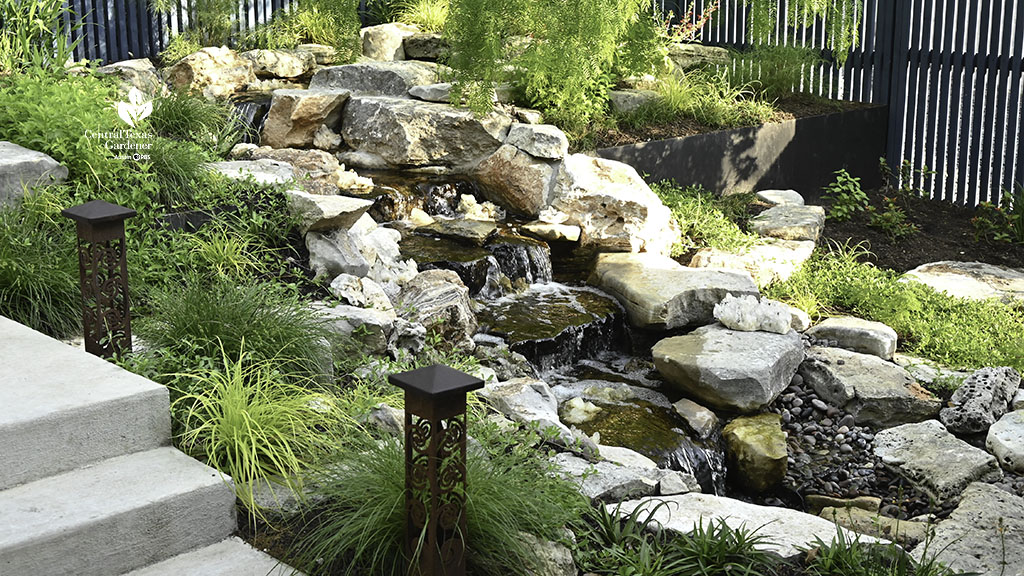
(819, 405)
(847, 421)
(826, 422)
(810, 440)
(798, 402)
(843, 430)
(846, 449)
(797, 380)
(839, 438)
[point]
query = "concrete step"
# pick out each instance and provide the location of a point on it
(114, 516)
(61, 408)
(231, 557)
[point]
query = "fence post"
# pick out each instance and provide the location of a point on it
(103, 272)
(435, 468)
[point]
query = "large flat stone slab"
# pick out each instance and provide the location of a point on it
(295, 116)
(971, 280)
(323, 212)
(875, 392)
(659, 293)
(790, 222)
(231, 557)
(981, 400)
(21, 168)
(987, 524)
(934, 460)
(859, 335)
(784, 532)
(772, 261)
(376, 78)
(729, 369)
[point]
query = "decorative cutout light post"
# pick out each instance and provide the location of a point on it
(103, 271)
(435, 467)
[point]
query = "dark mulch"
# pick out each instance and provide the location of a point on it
(798, 106)
(945, 233)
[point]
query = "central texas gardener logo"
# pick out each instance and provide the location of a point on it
(136, 109)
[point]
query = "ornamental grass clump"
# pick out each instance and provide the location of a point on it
(255, 424)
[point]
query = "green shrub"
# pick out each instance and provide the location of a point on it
(210, 23)
(179, 170)
(428, 15)
(183, 116)
(195, 324)
(841, 21)
(704, 218)
(181, 45)
(35, 35)
(39, 266)
(1002, 223)
(254, 424)
(562, 53)
(774, 71)
(359, 529)
(848, 556)
(845, 196)
(953, 331)
(329, 22)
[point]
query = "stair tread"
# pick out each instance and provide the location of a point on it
(46, 376)
(61, 504)
(231, 557)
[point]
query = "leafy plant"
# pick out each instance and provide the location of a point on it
(36, 35)
(428, 15)
(181, 45)
(845, 196)
(841, 21)
(689, 27)
(198, 321)
(952, 331)
(333, 23)
(184, 116)
(774, 71)
(704, 218)
(1002, 223)
(210, 20)
(39, 266)
(359, 528)
(892, 220)
(848, 556)
(252, 423)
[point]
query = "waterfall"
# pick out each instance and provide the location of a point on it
(251, 110)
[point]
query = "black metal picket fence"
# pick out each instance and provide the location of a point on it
(950, 71)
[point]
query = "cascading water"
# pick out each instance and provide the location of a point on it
(520, 257)
(251, 110)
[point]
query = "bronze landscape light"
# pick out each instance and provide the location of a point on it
(435, 467)
(103, 272)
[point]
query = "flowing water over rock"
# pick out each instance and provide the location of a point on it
(251, 110)
(554, 325)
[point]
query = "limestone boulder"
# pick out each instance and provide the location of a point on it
(981, 400)
(552, 232)
(780, 197)
(280, 63)
(439, 92)
(408, 133)
(360, 292)
(440, 301)
(296, 116)
(335, 253)
(784, 532)
(539, 140)
(464, 230)
(658, 293)
(688, 55)
(702, 422)
(139, 73)
(756, 451)
(747, 313)
(424, 46)
(904, 532)
(934, 460)
(985, 530)
(771, 261)
(859, 335)
(265, 172)
(1006, 441)
(790, 222)
(213, 72)
(323, 55)
(319, 212)
(517, 181)
(552, 558)
(371, 328)
(971, 280)
(728, 369)
(363, 250)
(376, 78)
(625, 457)
(386, 41)
(630, 100)
(21, 169)
(873, 391)
(614, 208)
(606, 481)
(526, 400)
